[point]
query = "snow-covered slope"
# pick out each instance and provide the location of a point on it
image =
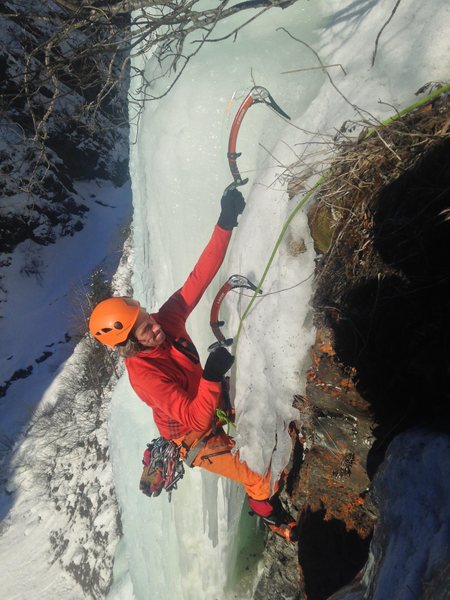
(65, 211)
(57, 503)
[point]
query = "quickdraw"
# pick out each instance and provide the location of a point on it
(256, 95)
(233, 282)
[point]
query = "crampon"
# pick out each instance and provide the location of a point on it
(287, 531)
(275, 517)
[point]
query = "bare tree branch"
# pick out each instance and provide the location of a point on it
(82, 54)
(382, 29)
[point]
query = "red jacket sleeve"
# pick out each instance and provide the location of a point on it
(206, 268)
(183, 302)
(167, 397)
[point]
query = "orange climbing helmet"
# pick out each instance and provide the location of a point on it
(112, 320)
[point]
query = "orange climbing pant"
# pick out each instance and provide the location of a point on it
(216, 457)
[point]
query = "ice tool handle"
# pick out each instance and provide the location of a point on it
(256, 95)
(235, 281)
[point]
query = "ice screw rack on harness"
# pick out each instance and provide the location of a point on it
(163, 468)
(164, 462)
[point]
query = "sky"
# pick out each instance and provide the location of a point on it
(179, 169)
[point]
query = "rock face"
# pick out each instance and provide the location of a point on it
(336, 514)
(280, 578)
(380, 364)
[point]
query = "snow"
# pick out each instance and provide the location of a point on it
(45, 292)
(185, 550)
(43, 315)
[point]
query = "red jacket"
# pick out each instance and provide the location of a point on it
(169, 377)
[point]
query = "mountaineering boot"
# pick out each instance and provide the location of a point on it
(276, 517)
(281, 522)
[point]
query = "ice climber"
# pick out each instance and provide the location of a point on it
(164, 370)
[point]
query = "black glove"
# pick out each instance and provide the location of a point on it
(218, 363)
(232, 204)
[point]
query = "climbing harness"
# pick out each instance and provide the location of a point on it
(233, 282)
(257, 94)
(192, 444)
(164, 459)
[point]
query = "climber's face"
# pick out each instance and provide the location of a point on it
(147, 331)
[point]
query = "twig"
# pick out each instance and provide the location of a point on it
(388, 146)
(360, 111)
(314, 69)
(381, 31)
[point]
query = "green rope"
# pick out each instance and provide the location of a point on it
(308, 195)
(302, 202)
(411, 107)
